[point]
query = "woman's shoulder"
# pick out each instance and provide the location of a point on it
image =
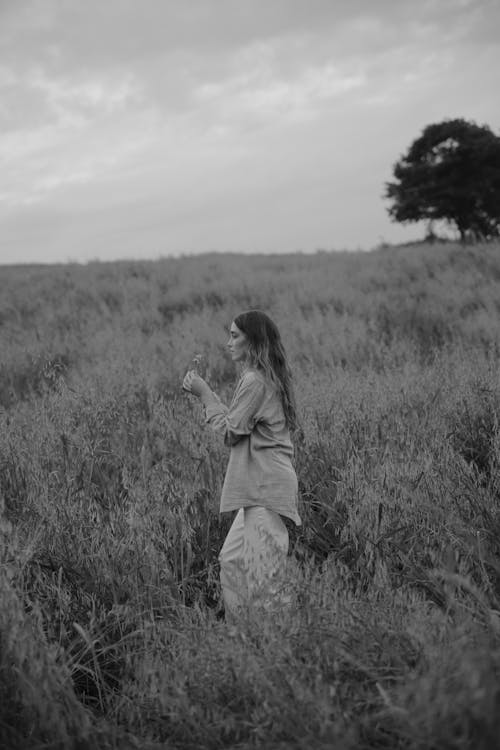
(250, 380)
(252, 375)
(256, 379)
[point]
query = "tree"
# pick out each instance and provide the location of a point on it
(451, 173)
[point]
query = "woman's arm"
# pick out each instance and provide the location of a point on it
(239, 419)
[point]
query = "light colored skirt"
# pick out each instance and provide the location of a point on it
(252, 560)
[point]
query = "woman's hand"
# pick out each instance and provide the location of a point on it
(194, 384)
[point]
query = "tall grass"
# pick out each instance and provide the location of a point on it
(110, 625)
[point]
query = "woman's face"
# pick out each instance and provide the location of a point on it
(237, 344)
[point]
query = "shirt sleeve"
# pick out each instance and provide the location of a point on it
(239, 419)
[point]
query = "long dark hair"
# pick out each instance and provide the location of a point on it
(266, 353)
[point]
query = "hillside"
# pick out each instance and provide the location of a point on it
(109, 484)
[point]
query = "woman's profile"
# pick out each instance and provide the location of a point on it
(260, 481)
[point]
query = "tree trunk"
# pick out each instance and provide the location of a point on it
(463, 233)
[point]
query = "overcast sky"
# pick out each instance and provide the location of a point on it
(141, 128)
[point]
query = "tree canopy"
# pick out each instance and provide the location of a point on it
(451, 173)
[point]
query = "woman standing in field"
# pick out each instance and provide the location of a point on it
(260, 482)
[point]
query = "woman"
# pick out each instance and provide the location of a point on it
(260, 482)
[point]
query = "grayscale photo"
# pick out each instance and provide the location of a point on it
(249, 375)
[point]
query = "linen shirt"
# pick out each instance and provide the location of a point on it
(260, 469)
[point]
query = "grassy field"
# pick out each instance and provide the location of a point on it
(110, 629)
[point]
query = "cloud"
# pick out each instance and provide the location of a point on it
(91, 94)
(64, 129)
(80, 143)
(260, 92)
(62, 34)
(64, 99)
(153, 113)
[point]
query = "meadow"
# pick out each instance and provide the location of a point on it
(111, 633)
